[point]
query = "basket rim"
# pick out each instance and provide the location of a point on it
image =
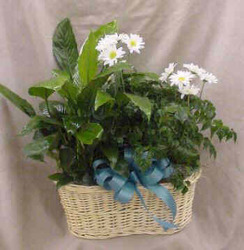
(91, 189)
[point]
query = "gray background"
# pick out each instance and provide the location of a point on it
(208, 32)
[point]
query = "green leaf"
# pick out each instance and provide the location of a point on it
(86, 99)
(65, 46)
(39, 157)
(72, 123)
(69, 91)
(115, 68)
(102, 98)
(39, 146)
(38, 122)
(66, 157)
(46, 88)
(64, 180)
(108, 28)
(20, 103)
(185, 189)
(89, 133)
(56, 108)
(112, 153)
(137, 78)
(61, 179)
(172, 108)
(55, 177)
(148, 76)
(88, 60)
(181, 114)
(143, 103)
(206, 125)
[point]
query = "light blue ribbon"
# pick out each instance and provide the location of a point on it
(124, 188)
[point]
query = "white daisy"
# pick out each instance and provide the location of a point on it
(202, 73)
(167, 72)
(110, 55)
(181, 78)
(107, 41)
(164, 76)
(188, 90)
(134, 43)
(208, 77)
(123, 37)
(194, 68)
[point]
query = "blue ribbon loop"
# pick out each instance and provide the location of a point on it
(124, 188)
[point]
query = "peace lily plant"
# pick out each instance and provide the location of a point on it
(101, 105)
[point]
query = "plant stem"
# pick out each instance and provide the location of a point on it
(122, 80)
(47, 104)
(201, 92)
(188, 100)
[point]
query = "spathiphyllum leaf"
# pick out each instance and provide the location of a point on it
(115, 68)
(38, 122)
(55, 108)
(143, 103)
(38, 147)
(46, 88)
(65, 46)
(108, 28)
(88, 59)
(89, 133)
(102, 98)
(19, 102)
(88, 63)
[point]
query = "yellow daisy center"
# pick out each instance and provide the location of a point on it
(112, 54)
(133, 43)
(181, 79)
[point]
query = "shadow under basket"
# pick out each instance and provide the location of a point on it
(92, 212)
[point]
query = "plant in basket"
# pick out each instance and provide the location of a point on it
(138, 134)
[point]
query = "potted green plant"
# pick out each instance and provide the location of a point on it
(129, 131)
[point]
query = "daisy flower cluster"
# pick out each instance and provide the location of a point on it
(183, 79)
(111, 50)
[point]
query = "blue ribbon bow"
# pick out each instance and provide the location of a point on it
(124, 188)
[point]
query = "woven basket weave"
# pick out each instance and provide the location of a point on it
(92, 212)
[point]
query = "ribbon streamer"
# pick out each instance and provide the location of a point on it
(124, 188)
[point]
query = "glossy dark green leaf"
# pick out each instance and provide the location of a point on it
(69, 91)
(102, 98)
(109, 28)
(88, 59)
(115, 68)
(65, 46)
(143, 103)
(89, 133)
(46, 88)
(19, 102)
(87, 62)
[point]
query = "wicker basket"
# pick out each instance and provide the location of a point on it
(92, 212)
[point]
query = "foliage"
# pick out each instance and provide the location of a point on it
(106, 109)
